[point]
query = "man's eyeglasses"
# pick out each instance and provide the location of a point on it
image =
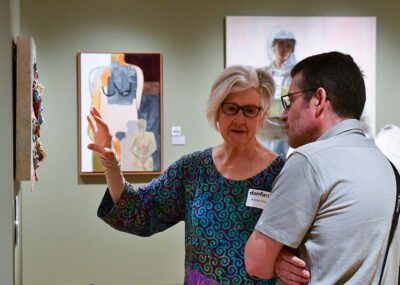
(286, 98)
(250, 111)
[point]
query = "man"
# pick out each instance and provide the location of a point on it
(334, 199)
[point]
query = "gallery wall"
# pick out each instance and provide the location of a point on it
(6, 149)
(63, 240)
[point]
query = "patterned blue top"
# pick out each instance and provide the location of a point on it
(217, 221)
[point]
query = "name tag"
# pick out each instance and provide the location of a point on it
(257, 198)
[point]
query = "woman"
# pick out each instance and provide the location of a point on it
(218, 192)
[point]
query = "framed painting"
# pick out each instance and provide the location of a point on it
(278, 43)
(126, 88)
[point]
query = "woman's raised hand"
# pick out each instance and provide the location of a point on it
(101, 135)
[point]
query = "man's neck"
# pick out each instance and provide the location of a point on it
(330, 123)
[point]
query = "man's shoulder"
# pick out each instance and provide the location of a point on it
(334, 144)
(314, 148)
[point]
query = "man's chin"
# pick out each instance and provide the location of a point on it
(293, 144)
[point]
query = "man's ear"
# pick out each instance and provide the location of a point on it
(321, 97)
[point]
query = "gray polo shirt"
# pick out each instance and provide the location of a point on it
(334, 200)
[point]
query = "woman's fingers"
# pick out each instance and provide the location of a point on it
(96, 122)
(91, 122)
(96, 148)
(95, 112)
(101, 134)
(98, 119)
(103, 152)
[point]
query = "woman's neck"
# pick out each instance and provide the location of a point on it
(238, 164)
(231, 153)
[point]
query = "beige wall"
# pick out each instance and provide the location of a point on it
(63, 241)
(6, 149)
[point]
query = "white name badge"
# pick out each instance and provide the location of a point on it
(257, 198)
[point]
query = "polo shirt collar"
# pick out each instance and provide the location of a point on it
(348, 125)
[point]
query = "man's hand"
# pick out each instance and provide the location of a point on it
(291, 269)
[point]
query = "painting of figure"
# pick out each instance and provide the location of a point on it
(278, 43)
(126, 89)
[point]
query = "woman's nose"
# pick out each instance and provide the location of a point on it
(239, 117)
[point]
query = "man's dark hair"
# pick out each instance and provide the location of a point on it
(341, 78)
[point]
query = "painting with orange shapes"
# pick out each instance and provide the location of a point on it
(126, 88)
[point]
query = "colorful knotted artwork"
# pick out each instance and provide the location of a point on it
(38, 154)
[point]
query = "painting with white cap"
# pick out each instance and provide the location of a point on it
(278, 43)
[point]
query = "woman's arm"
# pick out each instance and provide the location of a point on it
(102, 145)
(142, 211)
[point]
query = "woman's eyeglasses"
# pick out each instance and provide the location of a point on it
(250, 111)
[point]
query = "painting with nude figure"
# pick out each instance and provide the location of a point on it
(126, 88)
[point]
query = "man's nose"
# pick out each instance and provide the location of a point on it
(283, 116)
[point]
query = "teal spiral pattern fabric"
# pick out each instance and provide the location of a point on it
(217, 221)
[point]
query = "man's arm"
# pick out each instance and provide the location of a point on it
(260, 255)
(286, 219)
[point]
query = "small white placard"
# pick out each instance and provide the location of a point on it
(257, 198)
(178, 140)
(176, 131)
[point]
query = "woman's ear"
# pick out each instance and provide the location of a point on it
(263, 116)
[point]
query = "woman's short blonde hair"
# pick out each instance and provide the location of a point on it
(238, 78)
